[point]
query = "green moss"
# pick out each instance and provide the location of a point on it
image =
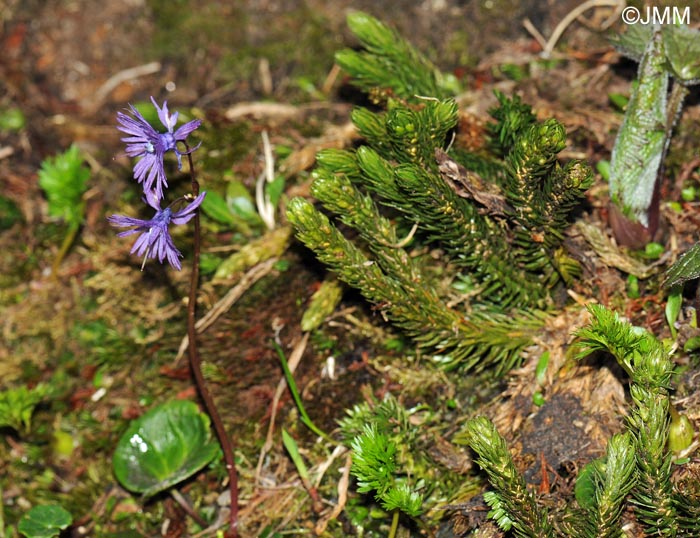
(234, 39)
(223, 144)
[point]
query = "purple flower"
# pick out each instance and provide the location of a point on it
(155, 240)
(145, 142)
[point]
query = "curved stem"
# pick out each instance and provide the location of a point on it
(394, 524)
(67, 242)
(196, 367)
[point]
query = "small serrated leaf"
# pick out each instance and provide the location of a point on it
(44, 521)
(634, 41)
(686, 268)
(683, 53)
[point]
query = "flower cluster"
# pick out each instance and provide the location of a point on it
(151, 146)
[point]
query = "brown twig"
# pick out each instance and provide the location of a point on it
(180, 499)
(196, 367)
(684, 174)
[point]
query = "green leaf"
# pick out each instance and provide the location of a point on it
(240, 203)
(683, 52)
(681, 432)
(687, 267)
(163, 447)
(275, 189)
(215, 207)
(541, 368)
(585, 488)
(634, 41)
(295, 394)
(632, 287)
(236, 209)
(619, 101)
(673, 309)
(640, 143)
(603, 168)
(291, 445)
(692, 344)
(653, 251)
(44, 521)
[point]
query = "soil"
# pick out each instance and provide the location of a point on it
(104, 335)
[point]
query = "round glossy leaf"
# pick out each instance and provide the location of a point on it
(163, 447)
(44, 521)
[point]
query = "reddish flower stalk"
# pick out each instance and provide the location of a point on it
(196, 366)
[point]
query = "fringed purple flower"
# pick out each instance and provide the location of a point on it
(155, 241)
(145, 142)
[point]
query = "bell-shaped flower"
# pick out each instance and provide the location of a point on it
(145, 142)
(155, 240)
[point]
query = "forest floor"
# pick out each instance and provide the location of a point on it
(104, 335)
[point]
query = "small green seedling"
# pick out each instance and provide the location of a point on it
(633, 287)
(374, 466)
(64, 179)
(238, 209)
(17, 406)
